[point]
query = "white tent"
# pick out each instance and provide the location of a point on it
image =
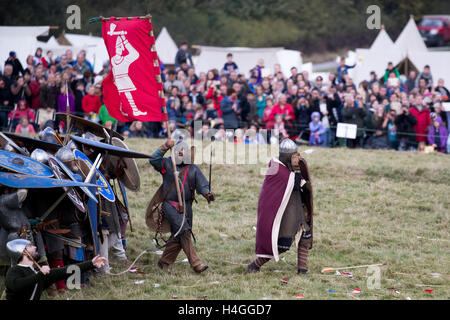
(166, 47)
(247, 58)
(382, 51)
(96, 52)
(22, 40)
(410, 40)
(439, 62)
(409, 44)
(382, 42)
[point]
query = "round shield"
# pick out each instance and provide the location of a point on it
(154, 215)
(130, 173)
(17, 180)
(69, 173)
(85, 166)
(21, 164)
(4, 140)
(60, 174)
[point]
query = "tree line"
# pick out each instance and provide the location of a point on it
(306, 25)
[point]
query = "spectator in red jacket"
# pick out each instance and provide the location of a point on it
(22, 111)
(91, 103)
(217, 96)
(35, 87)
(422, 114)
(285, 109)
(269, 116)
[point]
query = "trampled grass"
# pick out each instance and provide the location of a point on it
(371, 207)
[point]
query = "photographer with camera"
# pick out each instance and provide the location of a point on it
(406, 136)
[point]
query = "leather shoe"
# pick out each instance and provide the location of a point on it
(200, 268)
(163, 266)
(302, 271)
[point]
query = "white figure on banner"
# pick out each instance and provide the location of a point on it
(120, 66)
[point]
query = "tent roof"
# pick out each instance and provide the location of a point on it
(410, 40)
(382, 42)
(166, 47)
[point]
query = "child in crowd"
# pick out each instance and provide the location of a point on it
(137, 130)
(211, 111)
(24, 126)
(91, 103)
(316, 130)
(437, 134)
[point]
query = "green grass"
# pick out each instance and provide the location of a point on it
(370, 207)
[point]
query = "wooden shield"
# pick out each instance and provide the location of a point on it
(153, 211)
(130, 173)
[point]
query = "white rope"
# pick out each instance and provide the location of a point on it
(131, 266)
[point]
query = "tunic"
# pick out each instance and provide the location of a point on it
(194, 180)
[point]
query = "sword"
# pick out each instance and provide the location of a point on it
(68, 240)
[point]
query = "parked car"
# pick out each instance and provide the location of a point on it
(435, 29)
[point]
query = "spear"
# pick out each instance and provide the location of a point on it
(330, 269)
(66, 138)
(210, 162)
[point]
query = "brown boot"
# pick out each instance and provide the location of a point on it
(257, 264)
(189, 250)
(302, 258)
(169, 255)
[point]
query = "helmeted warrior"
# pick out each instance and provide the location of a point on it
(285, 207)
(24, 282)
(180, 218)
(14, 223)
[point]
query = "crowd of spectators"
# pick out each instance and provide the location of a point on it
(391, 111)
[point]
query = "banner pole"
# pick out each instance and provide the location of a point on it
(174, 164)
(153, 49)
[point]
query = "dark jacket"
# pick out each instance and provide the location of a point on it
(183, 56)
(405, 127)
(48, 96)
(333, 109)
(354, 116)
(229, 116)
(21, 281)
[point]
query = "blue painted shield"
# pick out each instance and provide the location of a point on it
(112, 150)
(61, 175)
(104, 188)
(69, 173)
(93, 222)
(21, 164)
(17, 180)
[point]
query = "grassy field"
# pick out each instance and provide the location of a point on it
(371, 207)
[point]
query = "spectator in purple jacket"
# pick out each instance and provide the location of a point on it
(316, 130)
(437, 135)
(62, 100)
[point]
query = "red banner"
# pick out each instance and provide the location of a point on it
(133, 89)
